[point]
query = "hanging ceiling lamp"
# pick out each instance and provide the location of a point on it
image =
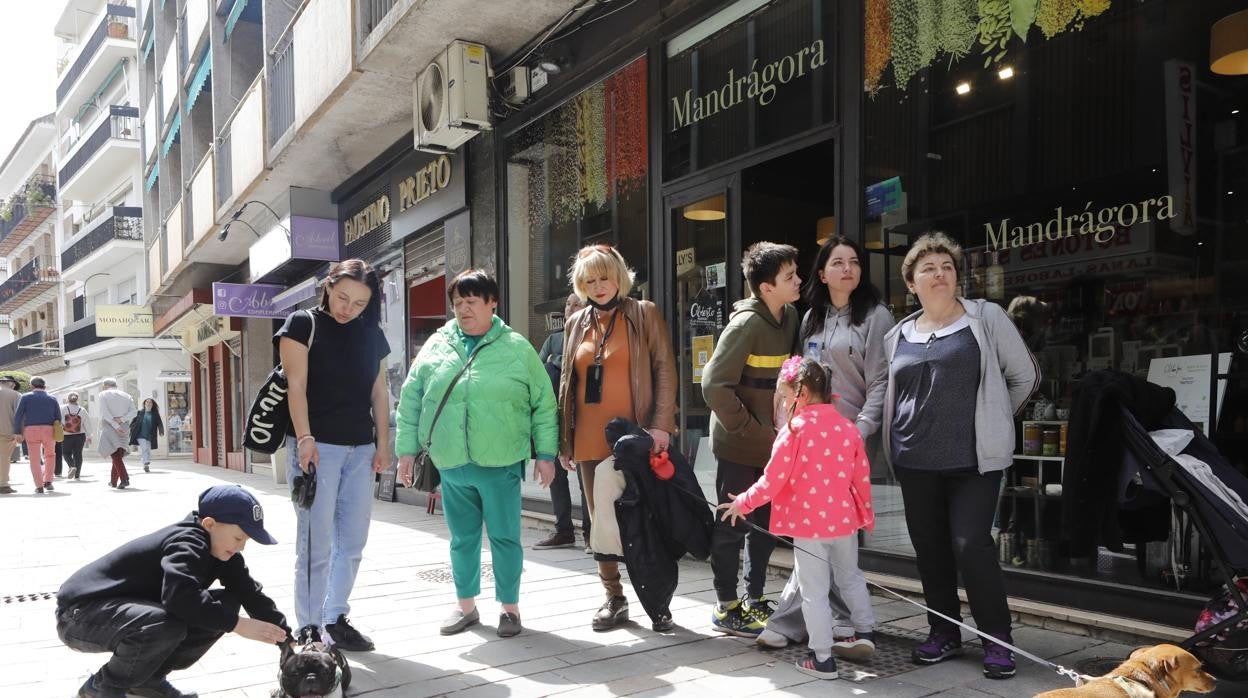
(1228, 45)
(712, 209)
(825, 228)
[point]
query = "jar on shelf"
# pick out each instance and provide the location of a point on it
(1032, 439)
(1050, 441)
(1061, 440)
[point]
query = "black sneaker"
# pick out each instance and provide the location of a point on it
(663, 624)
(147, 468)
(48, 486)
(735, 620)
(38, 490)
(91, 689)
(556, 540)
(346, 637)
(159, 687)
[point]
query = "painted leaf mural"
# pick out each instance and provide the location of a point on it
(1022, 14)
(877, 42)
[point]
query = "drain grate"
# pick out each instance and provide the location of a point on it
(892, 656)
(442, 574)
(1098, 666)
(27, 598)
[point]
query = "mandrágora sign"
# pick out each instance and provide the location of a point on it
(758, 85)
(1100, 223)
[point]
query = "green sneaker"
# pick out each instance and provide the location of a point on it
(759, 609)
(736, 620)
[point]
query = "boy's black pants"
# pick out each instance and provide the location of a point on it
(726, 541)
(145, 640)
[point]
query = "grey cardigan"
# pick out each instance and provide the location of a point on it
(856, 355)
(1008, 375)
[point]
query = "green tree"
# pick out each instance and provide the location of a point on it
(23, 379)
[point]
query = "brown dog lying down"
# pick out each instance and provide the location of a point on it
(1161, 671)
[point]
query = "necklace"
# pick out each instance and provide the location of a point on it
(942, 325)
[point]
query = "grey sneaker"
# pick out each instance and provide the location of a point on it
(856, 647)
(613, 612)
(459, 621)
(509, 625)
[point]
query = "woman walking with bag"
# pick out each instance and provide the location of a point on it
(333, 357)
(144, 430)
(77, 424)
(479, 402)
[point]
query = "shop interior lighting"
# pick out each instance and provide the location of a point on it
(825, 228)
(1005, 73)
(1228, 45)
(712, 209)
(963, 88)
(1234, 112)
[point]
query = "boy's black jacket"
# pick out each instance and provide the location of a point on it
(174, 567)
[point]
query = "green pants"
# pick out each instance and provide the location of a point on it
(473, 495)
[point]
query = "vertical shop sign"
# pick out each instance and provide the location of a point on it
(1181, 143)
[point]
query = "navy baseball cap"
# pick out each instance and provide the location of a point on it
(232, 504)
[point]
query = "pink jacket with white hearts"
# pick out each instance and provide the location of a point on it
(818, 479)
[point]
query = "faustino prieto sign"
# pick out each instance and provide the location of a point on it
(419, 190)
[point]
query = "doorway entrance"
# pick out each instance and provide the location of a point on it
(788, 199)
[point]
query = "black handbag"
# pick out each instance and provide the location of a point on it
(269, 416)
(425, 476)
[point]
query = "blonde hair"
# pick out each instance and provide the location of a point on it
(595, 261)
(930, 243)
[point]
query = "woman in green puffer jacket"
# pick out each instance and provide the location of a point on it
(496, 413)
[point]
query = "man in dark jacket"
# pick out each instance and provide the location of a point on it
(33, 422)
(149, 603)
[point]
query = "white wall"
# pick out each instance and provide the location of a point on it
(323, 45)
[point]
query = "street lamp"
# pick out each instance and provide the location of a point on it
(225, 229)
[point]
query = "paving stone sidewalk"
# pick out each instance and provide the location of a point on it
(404, 591)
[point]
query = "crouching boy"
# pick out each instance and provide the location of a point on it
(148, 602)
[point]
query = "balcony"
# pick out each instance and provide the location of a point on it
(34, 279)
(81, 334)
(36, 351)
(113, 40)
(96, 163)
(28, 208)
(95, 251)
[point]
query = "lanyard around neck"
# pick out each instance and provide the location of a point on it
(602, 343)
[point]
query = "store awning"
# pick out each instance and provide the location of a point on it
(151, 177)
(151, 41)
(231, 20)
(201, 77)
(173, 134)
(94, 101)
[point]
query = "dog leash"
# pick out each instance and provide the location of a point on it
(1076, 677)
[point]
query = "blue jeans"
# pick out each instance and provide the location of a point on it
(332, 534)
(145, 451)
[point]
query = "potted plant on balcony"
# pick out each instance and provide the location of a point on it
(36, 197)
(6, 210)
(118, 29)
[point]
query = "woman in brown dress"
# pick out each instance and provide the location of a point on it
(617, 362)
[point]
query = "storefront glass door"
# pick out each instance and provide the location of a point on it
(698, 227)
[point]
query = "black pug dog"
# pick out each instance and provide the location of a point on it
(310, 668)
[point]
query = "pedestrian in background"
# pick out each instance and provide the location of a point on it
(9, 398)
(33, 422)
(551, 355)
(144, 429)
(116, 411)
(77, 424)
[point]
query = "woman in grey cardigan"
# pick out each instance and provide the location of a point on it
(844, 329)
(956, 367)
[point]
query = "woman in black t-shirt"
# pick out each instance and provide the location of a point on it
(334, 360)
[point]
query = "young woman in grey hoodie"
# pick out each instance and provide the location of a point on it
(843, 329)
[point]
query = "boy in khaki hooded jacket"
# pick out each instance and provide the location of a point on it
(739, 384)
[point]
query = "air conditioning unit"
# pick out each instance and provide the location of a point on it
(450, 99)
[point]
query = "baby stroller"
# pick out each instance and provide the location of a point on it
(1213, 498)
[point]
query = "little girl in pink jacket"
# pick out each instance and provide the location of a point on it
(819, 484)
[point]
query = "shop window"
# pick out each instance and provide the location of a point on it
(178, 427)
(576, 176)
(1093, 169)
(748, 76)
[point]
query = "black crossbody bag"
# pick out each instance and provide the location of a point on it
(425, 476)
